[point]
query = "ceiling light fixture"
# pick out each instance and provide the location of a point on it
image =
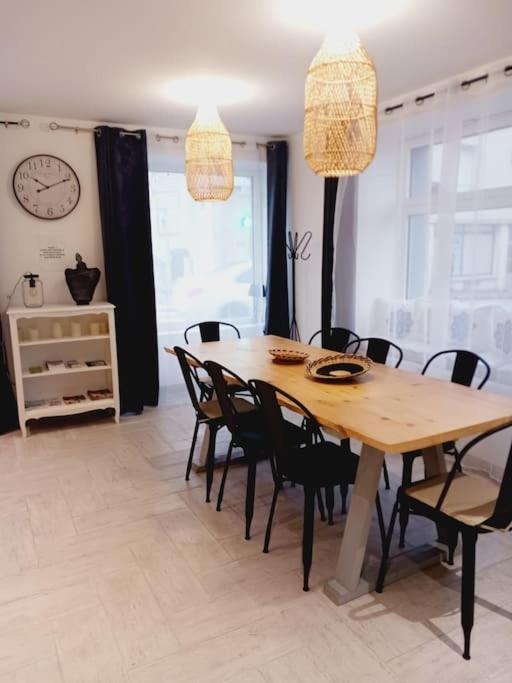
(340, 119)
(208, 157)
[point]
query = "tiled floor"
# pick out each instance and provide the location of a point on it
(112, 568)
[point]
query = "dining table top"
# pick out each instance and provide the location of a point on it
(391, 409)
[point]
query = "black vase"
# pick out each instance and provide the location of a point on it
(82, 281)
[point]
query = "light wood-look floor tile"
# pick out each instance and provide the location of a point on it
(112, 568)
(139, 625)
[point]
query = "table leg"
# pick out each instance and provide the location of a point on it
(348, 582)
(433, 459)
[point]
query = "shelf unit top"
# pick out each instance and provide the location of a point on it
(59, 309)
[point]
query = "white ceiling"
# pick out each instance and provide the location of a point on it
(110, 60)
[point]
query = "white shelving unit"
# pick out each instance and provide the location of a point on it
(28, 352)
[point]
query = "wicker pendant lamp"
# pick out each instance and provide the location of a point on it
(340, 122)
(208, 157)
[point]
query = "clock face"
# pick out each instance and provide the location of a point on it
(46, 186)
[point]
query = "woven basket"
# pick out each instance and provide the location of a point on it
(208, 158)
(340, 123)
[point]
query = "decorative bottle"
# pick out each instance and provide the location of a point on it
(32, 291)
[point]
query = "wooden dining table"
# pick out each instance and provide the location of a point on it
(391, 411)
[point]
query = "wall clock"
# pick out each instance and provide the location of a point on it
(46, 186)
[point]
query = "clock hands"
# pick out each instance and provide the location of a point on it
(47, 187)
(40, 183)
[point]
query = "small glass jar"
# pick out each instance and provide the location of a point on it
(32, 291)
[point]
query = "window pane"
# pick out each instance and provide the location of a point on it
(486, 161)
(418, 256)
(203, 254)
(482, 254)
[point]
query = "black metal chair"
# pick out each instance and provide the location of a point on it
(336, 338)
(461, 503)
(208, 412)
(314, 466)
(377, 349)
(210, 330)
(465, 368)
(247, 432)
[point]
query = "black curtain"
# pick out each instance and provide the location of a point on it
(330, 192)
(277, 316)
(126, 227)
(9, 411)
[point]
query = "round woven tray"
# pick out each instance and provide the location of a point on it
(339, 367)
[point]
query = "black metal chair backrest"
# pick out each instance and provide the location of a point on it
(218, 375)
(210, 330)
(465, 366)
(502, 514)
(335, 338)
(189, 364)
(274, 421)
(377, 349)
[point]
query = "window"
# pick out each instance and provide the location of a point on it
(207, 255)
(477, 228)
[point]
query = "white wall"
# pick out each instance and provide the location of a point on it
(21, 234)
(305, 212)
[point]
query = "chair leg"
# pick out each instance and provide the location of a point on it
(469, 537)
(452, 537)
(249, 494)
(210, 460)
(277, 488)
(307, 533)
(329, 503)
(321, 508)
(385, 553)
(344, 495)
(386, 475)
(380, 518)
(192, 447)
(408, 462)
(224, 476)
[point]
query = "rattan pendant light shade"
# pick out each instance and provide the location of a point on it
(208, 157)
(340, 123)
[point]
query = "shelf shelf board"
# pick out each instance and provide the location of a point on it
(68, 409)
(66, 371)
(64, 340)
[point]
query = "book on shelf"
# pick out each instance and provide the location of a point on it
(99, 394)
(78, 398)
(55, 365)
(75, 364)
(38, 403)
(35, 369)
(95, 363)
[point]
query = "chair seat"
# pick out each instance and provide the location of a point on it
(213, 410)
(233, 386)
(471, 499)
(321, 464)
(252, 431)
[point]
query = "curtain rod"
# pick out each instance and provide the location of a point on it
(240, 143)
(23, 123)
(465, 85)
(53, 125)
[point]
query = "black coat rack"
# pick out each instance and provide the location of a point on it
(297, 248)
